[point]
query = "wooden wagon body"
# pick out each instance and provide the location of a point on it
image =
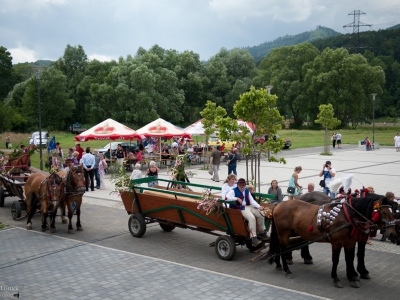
(172, 208)
(12, 185)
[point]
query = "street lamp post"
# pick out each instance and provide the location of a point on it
(38, 70)
(373, 119)
(269, 88)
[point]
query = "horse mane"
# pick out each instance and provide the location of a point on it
(317, 198)
(365, 205)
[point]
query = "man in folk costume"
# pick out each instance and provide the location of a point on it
(250, 210)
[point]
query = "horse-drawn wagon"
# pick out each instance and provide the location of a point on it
(172, 208)
(14, 174)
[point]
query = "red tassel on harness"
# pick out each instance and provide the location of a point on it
(375, 216)
(310, 228)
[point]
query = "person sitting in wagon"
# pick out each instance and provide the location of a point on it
(250, 210)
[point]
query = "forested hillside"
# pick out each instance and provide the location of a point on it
(175, 86)
(260, 51)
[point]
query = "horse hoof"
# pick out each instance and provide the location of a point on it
(43, 229)
(53, 230)
(278, 268)
(289, 276)
(29, 226)
(71, 231)
(79, 228)
(354, 284)
(64, 221)
(365, 276)
(308, 261)
(338, 284)
(289, 261)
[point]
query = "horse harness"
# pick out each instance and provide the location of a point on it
(49, 187)
(69, 189)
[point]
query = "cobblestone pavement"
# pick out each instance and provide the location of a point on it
(58, 268)
(106, 260)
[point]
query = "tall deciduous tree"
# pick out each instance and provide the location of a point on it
(7, 75)
(55, 105)
(328, 121)
(284, 68)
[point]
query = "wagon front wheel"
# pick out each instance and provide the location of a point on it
(2, 196)
(16, 210)
(137, 225)
(166, 227)
(225, 247)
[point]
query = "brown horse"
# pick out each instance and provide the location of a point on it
(319, 198)
(49, 190)
(339, 223)
(74, 189)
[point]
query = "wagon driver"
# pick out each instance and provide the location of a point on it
(250, 210)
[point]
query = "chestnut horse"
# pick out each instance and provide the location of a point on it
(74, 189)
(319, 198)
(49, 190)
(339, 223)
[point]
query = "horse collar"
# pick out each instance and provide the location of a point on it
(327, 217)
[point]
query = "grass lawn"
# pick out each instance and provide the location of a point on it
(300, 138)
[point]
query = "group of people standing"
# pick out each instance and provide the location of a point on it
(336, 139)
(94, 165)
(295, 189)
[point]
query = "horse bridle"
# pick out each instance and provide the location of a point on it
(71, 190)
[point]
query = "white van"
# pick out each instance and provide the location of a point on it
(35, 138)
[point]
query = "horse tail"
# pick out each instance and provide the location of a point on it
(273, 244)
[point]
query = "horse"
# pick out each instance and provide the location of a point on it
(74, 189)
(49, 190)
(336, 223)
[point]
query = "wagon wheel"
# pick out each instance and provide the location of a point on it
(2, 196)
(137, 225)
(166, 227)
(225, 247)
(16, 210)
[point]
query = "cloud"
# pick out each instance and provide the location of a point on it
(21, 55)
(286, 11)
(101, 57)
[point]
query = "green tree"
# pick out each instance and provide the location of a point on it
(328, 121)
(7, 75)
(54, 102)
(73, 65)
(285, 68)
(210, 114)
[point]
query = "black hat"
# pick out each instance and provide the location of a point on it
(328, 162)
(241, 180)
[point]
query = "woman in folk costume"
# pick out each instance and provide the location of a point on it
(250, 210)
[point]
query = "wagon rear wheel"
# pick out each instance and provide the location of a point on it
(166, 227)
(16, 210)
(137, 225)
(225, 247)
(2, 196)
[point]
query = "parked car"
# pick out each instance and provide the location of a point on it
(114, 145)
(287, 145)
(35, 138)
(215, 141)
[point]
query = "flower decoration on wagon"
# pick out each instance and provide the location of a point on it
(210, 204)
(178, 173)
(122, 181)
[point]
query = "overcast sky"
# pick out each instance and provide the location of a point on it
(108, 29)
